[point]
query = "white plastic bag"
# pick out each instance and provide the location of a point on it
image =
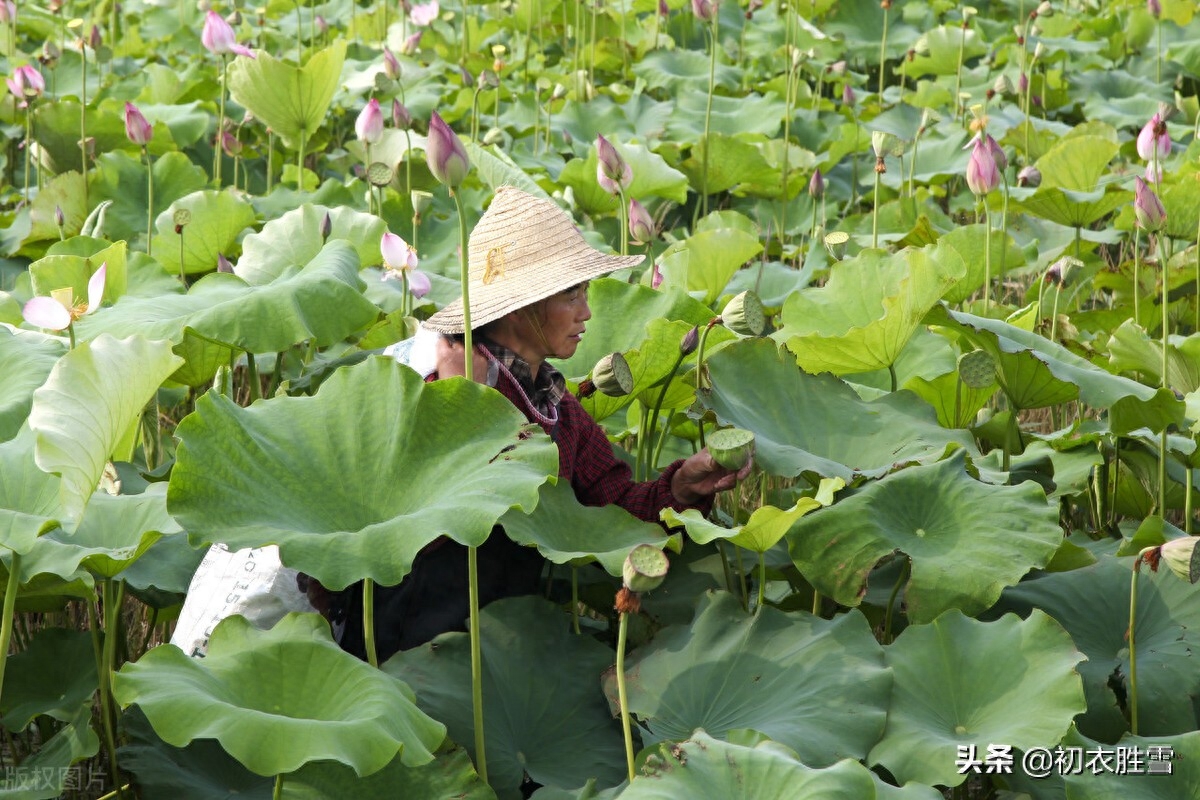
(250, 582)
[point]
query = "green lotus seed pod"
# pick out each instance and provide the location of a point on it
(644, 569)
(731, 447)
(612, 376)
(977, 369)
(380, 174)
(1183, 557)
(744, 314)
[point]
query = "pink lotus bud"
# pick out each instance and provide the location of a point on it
(223, 264)
(1029, 176)
(136, 127)
(391, 64)
(690, 341)
(95, 40)
(641, 226)
(326, 227)
(397, 255)
(445, 154)
(26, 83)
(424, 14)
(705, 10)
(1154, 139)
(1147, 208)
(1154, 7)
(848, 96)
(656, 277)
(8, 12)
(982, 173)
(997, 152)
(1023, 83)
(418, 283)
(663, 9)
(612, 173)
(219, 39)
(1154, 173)
(411, 43)
(230, 144)
(816, 185)
(401, 118)
(60, 218)
(369, 125)
(322, 25)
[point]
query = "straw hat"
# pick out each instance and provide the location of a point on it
(523, 250)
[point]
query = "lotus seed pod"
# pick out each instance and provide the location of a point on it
(731, 447)
(644, 569)
(744, 314)
(977, 369)
(612, 376)
(835, 243)
(1182, 557)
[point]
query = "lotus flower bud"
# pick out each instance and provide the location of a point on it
(223, 264)
(848, 96)
(401, 118)
(641, 226)
(612, 376)
(816, 185)
(490, 79)
(836, 68)
(644, 569)
(690, 341)
(219, 39)
(1029, 176)
(8, 12)
(656, 276)
(412, 43)
(1044, 9)
(1153, 140)
(26, 83)
(230, 144)
(369, 125)
(663, 9)
(424, 14)
(705, 10)
(445, 154)
(326, 227)
(136, 127)
(1154, 7)
(1023, 83)
(322, 25)
(744, 314)
(95, 40)
(60, 219)
(391, 64)
(612, 173)
(998, 154)
(1182, 557)
(731, 447)
(1147, 208)
(50, 51)
(1062, 270)
(982, 173)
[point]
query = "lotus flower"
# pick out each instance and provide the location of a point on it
(1154, 139)
(423, 14)
(998, 154)
(445, 154)
(8, 12)
(982, 173)
(411, 43)
(391, 64)
(26, 82)
(1147, 208)
(612, 173)
(52, 314)
(95, 39)
(400, 260)
(1154, 7)
(230, 144)
(641, 226)
(705, 10)
(218, 37)
(369, 125)
(401, 118)
(136, 127)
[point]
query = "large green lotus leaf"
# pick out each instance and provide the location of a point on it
(203, 771)
(65, 193)
(652, 177)
(202, 358)
(87, 407)
(732, 162)
(958, 681)
(1182, 753)
(69, 271)
(543, 711)
(352, 482)
(706, 260)
(497, 169)
(948, 45)
(29, 503)
(114, 533)
(564, 530)
(279, 699)
(1032, 371)
(323, 301)
(969, 242)
(121, 178)
(947, 395)
(941, 518)
(861, 319)
(54, 675)
(1093, 605)
(771, 672)
(649, 365)
(807, 422)
(291, 101)
(56, 131)
(25, 362)
(1130, 349)
(680, 70)
(706, 767)
(47, 773)
(620, 314)
(1076, 162)
(217, 219)
(747, 113)
(1077, 209)
(286, 244)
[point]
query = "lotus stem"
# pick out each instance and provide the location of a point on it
(1008, 430)
(891, 606)
(10, 604)
(299, 28)
(278, 793)
(83, 125)
(962, 51)
(762, 581)
(1133, 593)
(1003, 228)
(816, 603)
(724, 562)
(658, 404)
(1158, 60)
(1054, 314)
(712, 75)
(592, 51)
(1187, 500)
(987, 259)
(270, 158)
(368, 600)
(150, 200)
(741, 568)
(622, 696)
(28, 139)
(875, 214)
(892, 375)
(114, 793)
(300, 162)
(789, 105)
(408, 175)
(220, 121)
(575, 599)
(639, 467)
(113, 597)
(1137, 263)
(624, 215)
(1165, 257)
(700, 368)
(883, 50)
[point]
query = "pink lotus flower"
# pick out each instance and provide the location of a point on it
(401, 118)
(223, 264)
(998, 154)
(445, 154)
(136, 127)
(1154, 7)
(982, 174)
(1147, 208)
(400, 260)
(26, 83)
(423, 14)
(1154, 139)
(53, 314)
(705, 10)
(8, 12)
(612, 173)
(391, 64)
(411, 43)
(230, 144)
(641, 226)
(218, 37)
(369, 125)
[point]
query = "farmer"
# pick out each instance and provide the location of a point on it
(529, 270)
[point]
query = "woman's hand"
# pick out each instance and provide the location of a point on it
(450, 361)
(700, 476)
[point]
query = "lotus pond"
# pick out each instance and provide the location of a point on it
(962, 567)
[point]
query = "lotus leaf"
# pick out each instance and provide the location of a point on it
(202, 358)
(65, 193)
(286, 244)
(121, 178)
(969, 243)
(29, 504)
(939, 517)
(1076, 162)
(817, 423)
(343, 502)
(705, 261)
(89, 406)
(557, 729)
(681, 70)
(748, 114)
(650, 364)
(25, 362)
(279, 699)
(71, 271)
(498, 169)
(291, 100)
(1130, 349)
(771, 672)
(732, 163)
(217, 219)
(703, 766)
(1182, 753)
(55, 675)
(959, 681)
(1077, 209)
(862, 318)
(46, 774)
(948, 46)
(652, 176)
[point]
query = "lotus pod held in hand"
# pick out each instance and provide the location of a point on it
(731, 447)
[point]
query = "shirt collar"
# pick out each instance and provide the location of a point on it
(545, 390)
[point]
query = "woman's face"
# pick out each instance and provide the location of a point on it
(561, 318)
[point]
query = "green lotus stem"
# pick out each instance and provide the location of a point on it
(762, 581)
(278, 793)
(299, 28)
(1003, 224)
(405, 304)
(987, 259)
(887, 617)
(575, 599)
(875, 214)
(662, 438)
(270, 158)
(1187, 500)
(712, 75)
(789, 105)
(625, 42)
(962, 52)
(1162, 473)
(816, 603)
(83, 125)
(114, 793)
(475, 114)
(71, 334)
(741, 568)
(700, 370)
(10, 604)
(892, 374)
(369, 622)
(182, 274)
(592, 50)
(1008, 443)
(639, 467)
(958, 384)
(1196, 324)
(113, 598)
(252, 377)
(658, 404)
(1158, 60)
(220, 122)
(622, 696)
(1054, 314)
(1133, 592)
(28, 139)
(300, 162)
(150, 199)
(883, 51)
(624, 215)
(408, 175)
(1137, 263)
(1165, 246)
